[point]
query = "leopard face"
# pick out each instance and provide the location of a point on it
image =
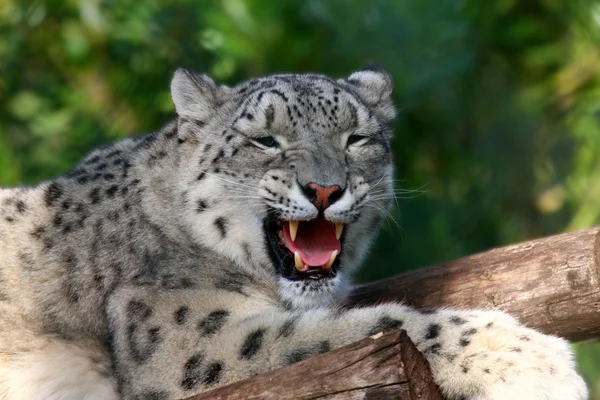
(303, 164)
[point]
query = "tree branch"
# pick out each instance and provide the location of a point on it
(551, 284)
(384, 366)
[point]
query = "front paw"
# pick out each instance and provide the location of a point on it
(492, 357)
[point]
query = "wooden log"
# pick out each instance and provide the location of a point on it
(551, 284)
(384, 366)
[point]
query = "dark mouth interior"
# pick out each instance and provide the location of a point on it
(283, 258)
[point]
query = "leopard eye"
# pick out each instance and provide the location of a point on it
(356, 140)
(267, 141)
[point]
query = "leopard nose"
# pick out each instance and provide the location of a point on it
(322, 196)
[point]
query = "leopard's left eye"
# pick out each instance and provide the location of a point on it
(267, 142)
(356, 140)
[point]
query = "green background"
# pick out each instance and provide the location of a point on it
(499, 124)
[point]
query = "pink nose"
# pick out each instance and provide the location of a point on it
(322, 197)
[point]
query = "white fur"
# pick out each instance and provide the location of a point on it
(55, 370)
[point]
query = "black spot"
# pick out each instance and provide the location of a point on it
(95, 195)
(324, 347)
(234, 282)
(524, 338)
(212, 374)
(353, 115)
(249, 116)
(385, 324)
(486, 370)
(142, 345)
(489, 325)
(198, 123)
(72, 291)
(247, 252)
(433, 331)
(458, 320)
(92, 160)
(145, 142)
(213, 322)
(113, 216)
(288, 327)
(21, 206)
(70, 260)
(9, 219)
(221, 154)
(304, 352)
(110, 192)
(138, 310)
(297, 356)
(38, 232)
(426, 311)
(53, 193)
(434, 348)
(154, 334)
(221, 224)
(469, 332)
(464, 342)
(181, 315)
(464, 368)
(252, 344)
(515, 349)
(191, 371)
(201, 176)
(57, 221)
(269, 116)
(126, 166)
(113, 153)
(201, 205)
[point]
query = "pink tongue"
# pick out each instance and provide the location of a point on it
(315, 241)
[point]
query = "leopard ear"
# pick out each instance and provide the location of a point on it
(195, 96)
(374, 87)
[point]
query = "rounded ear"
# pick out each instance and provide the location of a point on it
(196, 96)
(374, 87)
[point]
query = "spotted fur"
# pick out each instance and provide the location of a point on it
(144, 272)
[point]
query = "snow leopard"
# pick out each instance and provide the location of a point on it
(215, 249)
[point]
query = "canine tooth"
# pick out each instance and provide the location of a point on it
(293, 230)
(332, 258)
(339, 228)
(298, 261)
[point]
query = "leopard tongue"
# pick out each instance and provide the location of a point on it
(315, 241)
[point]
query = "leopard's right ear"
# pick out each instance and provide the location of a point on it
(196, 96)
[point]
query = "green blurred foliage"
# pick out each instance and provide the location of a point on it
(498, 135)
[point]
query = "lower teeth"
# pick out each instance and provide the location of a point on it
(299, 263)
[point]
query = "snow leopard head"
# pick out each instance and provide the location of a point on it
(300, 167)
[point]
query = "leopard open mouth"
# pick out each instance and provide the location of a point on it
(305, 249)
